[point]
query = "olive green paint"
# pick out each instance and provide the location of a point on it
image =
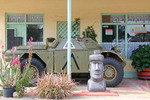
(54, 55)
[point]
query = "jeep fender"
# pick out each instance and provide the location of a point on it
(115, 56)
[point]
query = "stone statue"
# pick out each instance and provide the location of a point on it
(96, 68)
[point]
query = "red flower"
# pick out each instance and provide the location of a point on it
(30, 41)
(20, 86)
(14, 61)
(2, 47)
(17, 60)
(31, 38)
(25, 64)
(13, 49)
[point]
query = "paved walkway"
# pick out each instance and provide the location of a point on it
(129, 89)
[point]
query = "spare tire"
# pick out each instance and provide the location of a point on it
(113, 72)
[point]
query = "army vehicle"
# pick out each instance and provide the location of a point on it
(53, 57)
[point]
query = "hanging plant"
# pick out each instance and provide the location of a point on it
(90, 33)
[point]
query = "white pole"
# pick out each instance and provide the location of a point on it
(69, 38)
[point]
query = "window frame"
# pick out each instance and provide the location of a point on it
(25, 23)
(125, 23)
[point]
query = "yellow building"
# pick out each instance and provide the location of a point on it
(114, 21)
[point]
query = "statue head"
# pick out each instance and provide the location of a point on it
(96, 66)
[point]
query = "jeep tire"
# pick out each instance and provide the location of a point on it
(113, 72)
(36, 66)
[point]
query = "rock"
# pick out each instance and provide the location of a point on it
(15, 94)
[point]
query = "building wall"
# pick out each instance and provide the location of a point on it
(88, 11)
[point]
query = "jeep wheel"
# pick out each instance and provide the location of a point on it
(36, 69)
(113, 72)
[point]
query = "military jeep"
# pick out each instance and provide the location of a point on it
(52, 57)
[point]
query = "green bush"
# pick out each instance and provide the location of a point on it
(141, 57)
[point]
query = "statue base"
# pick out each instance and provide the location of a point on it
(96, 86)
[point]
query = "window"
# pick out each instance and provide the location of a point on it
(15, 18)
(125, 30)
(27, 25)
(113, 18)
(138, 18)
(34, 18)
(109, 33)
(36, 31)
(137, 35)
(109, 36)
(113, 35)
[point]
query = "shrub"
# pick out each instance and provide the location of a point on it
(141, 57)
(89, 32)
(56, 86)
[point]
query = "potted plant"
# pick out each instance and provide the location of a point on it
(9, 74)
(141, 61)
(12, 76)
